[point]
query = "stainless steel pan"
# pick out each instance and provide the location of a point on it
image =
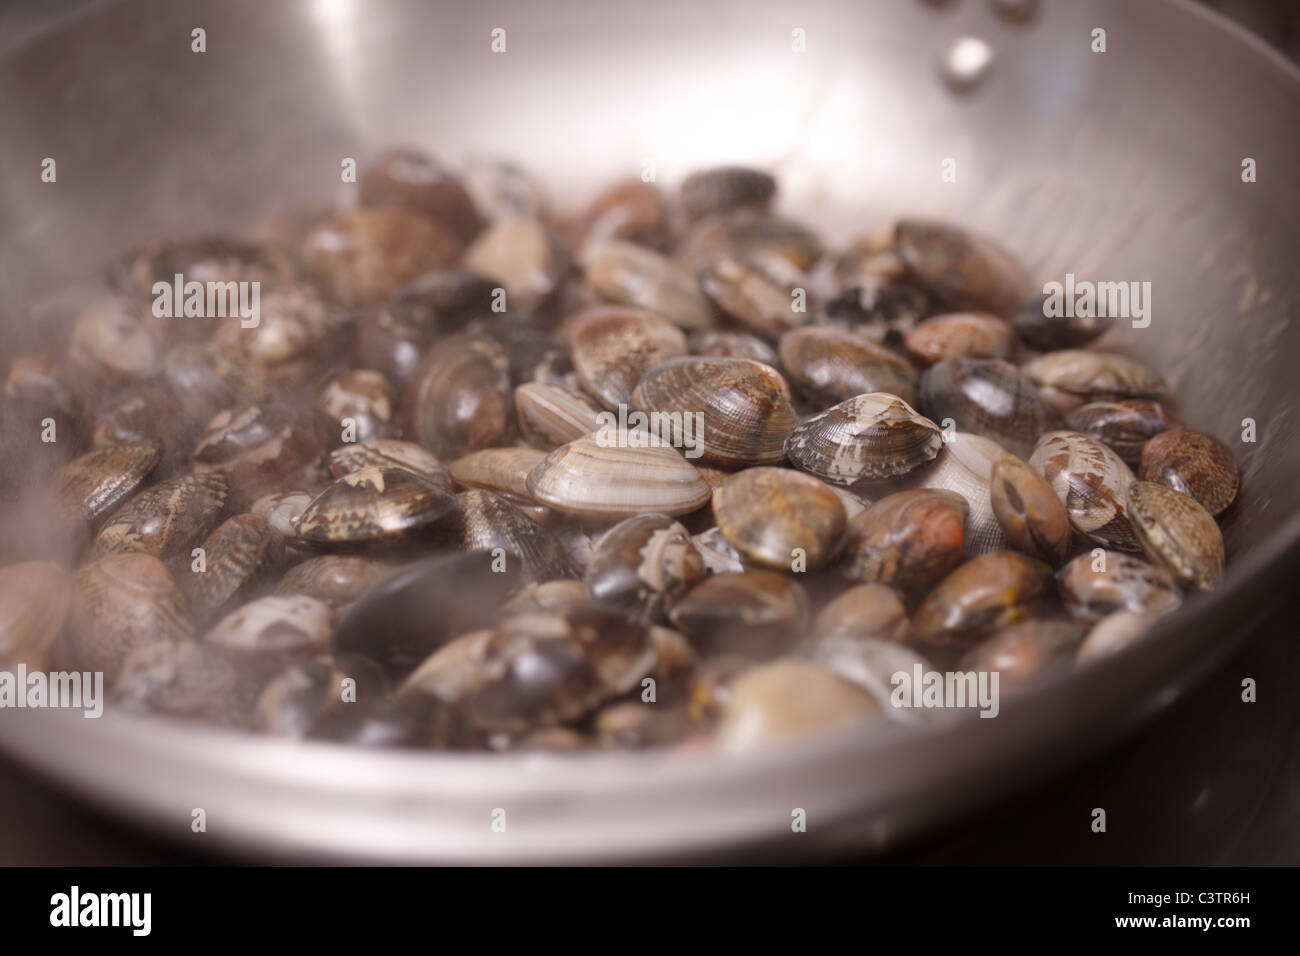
(1117, 165)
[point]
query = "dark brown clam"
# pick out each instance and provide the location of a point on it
(965, 270)
(867, 437)
(390, 453)
(1046, 332)
(123, 601)
(725, 188)
(719, 344)
(165, 520)
(632, 210)
(732, 412)
(786, 700)
(1092, 482)
(965, 466)
(277, 628)
(1126, 425)
(960, 335)
(756, 613)
(879, 308)
(644, 564)
(523, 256)
(1072, 377)
(985, 593)
(483, 521)
(869, 610)
(258, 448)
(1194, 463)
(1177, 533)
(147, 414)
(613, 347)
(373, 506)
(336, 579)
(766, 294)
(35, 598)
(1095, 585)
(907, 540)
(827, 365)
(114, 343)
(987, 397)
(503, 471)
(359, 404)
(551, 415)
(87, 488)
(413, 179)
(1026, 651)
(363, 256)
(462, 398)
(779, 518)
(631, 275)
(747, 231)
(443, 300)
(236, 557)
(1031, 515)
(310, 694)
(181, 678)
(201, 259)
(390, 344)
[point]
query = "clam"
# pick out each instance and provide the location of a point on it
(278, 627)
(237, 555)
(1045, 333)
(632, 724)
(965, 270)
(1126, 426)
(291, 331)
(205, 379)
(523, 256)
(390, 344)
(546, 596)
(362, 396)
(1113, 633)
(483, 521)
(165, 520)
(785, 700)
(309, 694)
(281, 511)
(502, 189)
(1094, 586)
(1072, 377)
(374, 505)
(725, 188)
(755, 613)
(645, 564)
(1177, 533)
(766, 294)
(390, 453)
(1028, 510)
(551, 415)
(960, 335)
(987, 397)
(147, 414)
(630, 210)
(1026, 651)
(778, 518)
(742, 407)
(719, 344)
(868, 437)
(907, 540)
(35, 598)
(613, 347)
(182, 678)
(617, 473)
(363, 256)
(869, 610)
(505, 472)
(461, 400)
(336, 579)
(412, 179)
(257, 448)
(200, 259)
(443, 300)
(632, 275)
(965, 466)
(987, 592)
(747, 231)
(829, 365)
(112, 343)
(720, 555)
(1194, 463)
(87, 488)
(1092, 482)
(871, 664)
(121, 602)
(879, 308)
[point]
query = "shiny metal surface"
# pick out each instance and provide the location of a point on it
(1122, 165)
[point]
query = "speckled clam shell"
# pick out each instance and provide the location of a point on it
(613, 347)
(645, 564)
(1094, 586)
(758, 292)
(483, 521)
(236, 555)
(1195, 464)
(166, 520)
(390, 453)
(336, 579)
(772, 514)
(1092, 482)
(1069, 378)
(614, 474)
(867, 437)
(742, 406)
(1177, 533)
(965, 466)
(522, 254)
(372, 505)
(279, 625)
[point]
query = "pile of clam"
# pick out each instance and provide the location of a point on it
(667, 471)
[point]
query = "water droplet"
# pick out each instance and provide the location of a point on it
(966, 62)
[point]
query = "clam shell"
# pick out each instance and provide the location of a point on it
(965, 270)
(644, 564)
(483, 521)
(867, 437)
(987, 397)
(35, 599)
(613, 347)
(1094, 586)
(960, 335)
(632, 275)
(743, 406)
(236, 555)
(965, 466)
(987, 592)
(206, 258)
(1072, 377)
(87, 488)
(718, 344)
(759, 293)
(462, 397)
(258, 448)
(336, 579)
(770, 513)
(550, 415)
(754, 613)
(166, 520)
(390, 453)
(1026, 651)
(720, 555)
(184, 679)
(1046, 333)
(865, 611)
(615, 474)
(278, 626)
(787, 700)
(1177, 533)
(1113, 633)
(907, 540)
(1028, 511)
(373, 505)
(415, 180)
(747, 231)
(504, 471)
(1194, 463)
(365, 397)
(521, 253)
(1126, 426)
(724, 188)
(829, 364)
(1092, 482)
